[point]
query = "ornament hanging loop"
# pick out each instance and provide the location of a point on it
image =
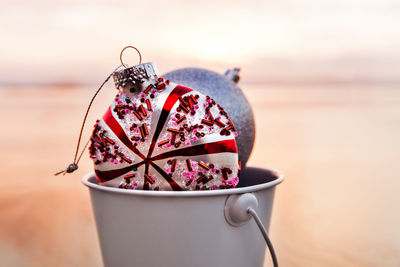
(122, 51)
(74, 166)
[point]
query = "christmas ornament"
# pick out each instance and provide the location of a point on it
(158, 135)
(224, 90)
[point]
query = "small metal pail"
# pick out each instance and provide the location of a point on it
(185, 229)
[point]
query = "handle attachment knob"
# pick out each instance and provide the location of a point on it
(239, 209)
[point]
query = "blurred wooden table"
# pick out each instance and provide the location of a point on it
(337, 145)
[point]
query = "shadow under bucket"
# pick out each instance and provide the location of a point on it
(192, 228)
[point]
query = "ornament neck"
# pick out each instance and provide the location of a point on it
(134, 79)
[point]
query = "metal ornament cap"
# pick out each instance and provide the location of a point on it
(136, 77)
(237, 206)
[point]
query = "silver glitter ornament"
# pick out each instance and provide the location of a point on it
(225, 91)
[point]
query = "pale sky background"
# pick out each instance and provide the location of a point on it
(273, 41)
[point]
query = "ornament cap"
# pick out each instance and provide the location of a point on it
(135, 77)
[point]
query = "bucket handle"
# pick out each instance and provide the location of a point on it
(239, 209)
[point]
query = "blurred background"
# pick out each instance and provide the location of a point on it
(322, 76)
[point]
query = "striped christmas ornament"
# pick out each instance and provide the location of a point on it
(157, 135)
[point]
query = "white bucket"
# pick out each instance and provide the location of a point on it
(193, 228)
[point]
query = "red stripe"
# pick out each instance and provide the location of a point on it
(104, 176)
(178, 91)
(209, 148)
(119, 132)
(171, 182)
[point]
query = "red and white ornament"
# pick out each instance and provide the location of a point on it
(157, 135)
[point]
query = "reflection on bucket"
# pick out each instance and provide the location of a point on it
(192, 228)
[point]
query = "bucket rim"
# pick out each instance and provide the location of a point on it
(202, 193)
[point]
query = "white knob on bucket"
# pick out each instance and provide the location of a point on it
(239, 209)
(237, 206)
